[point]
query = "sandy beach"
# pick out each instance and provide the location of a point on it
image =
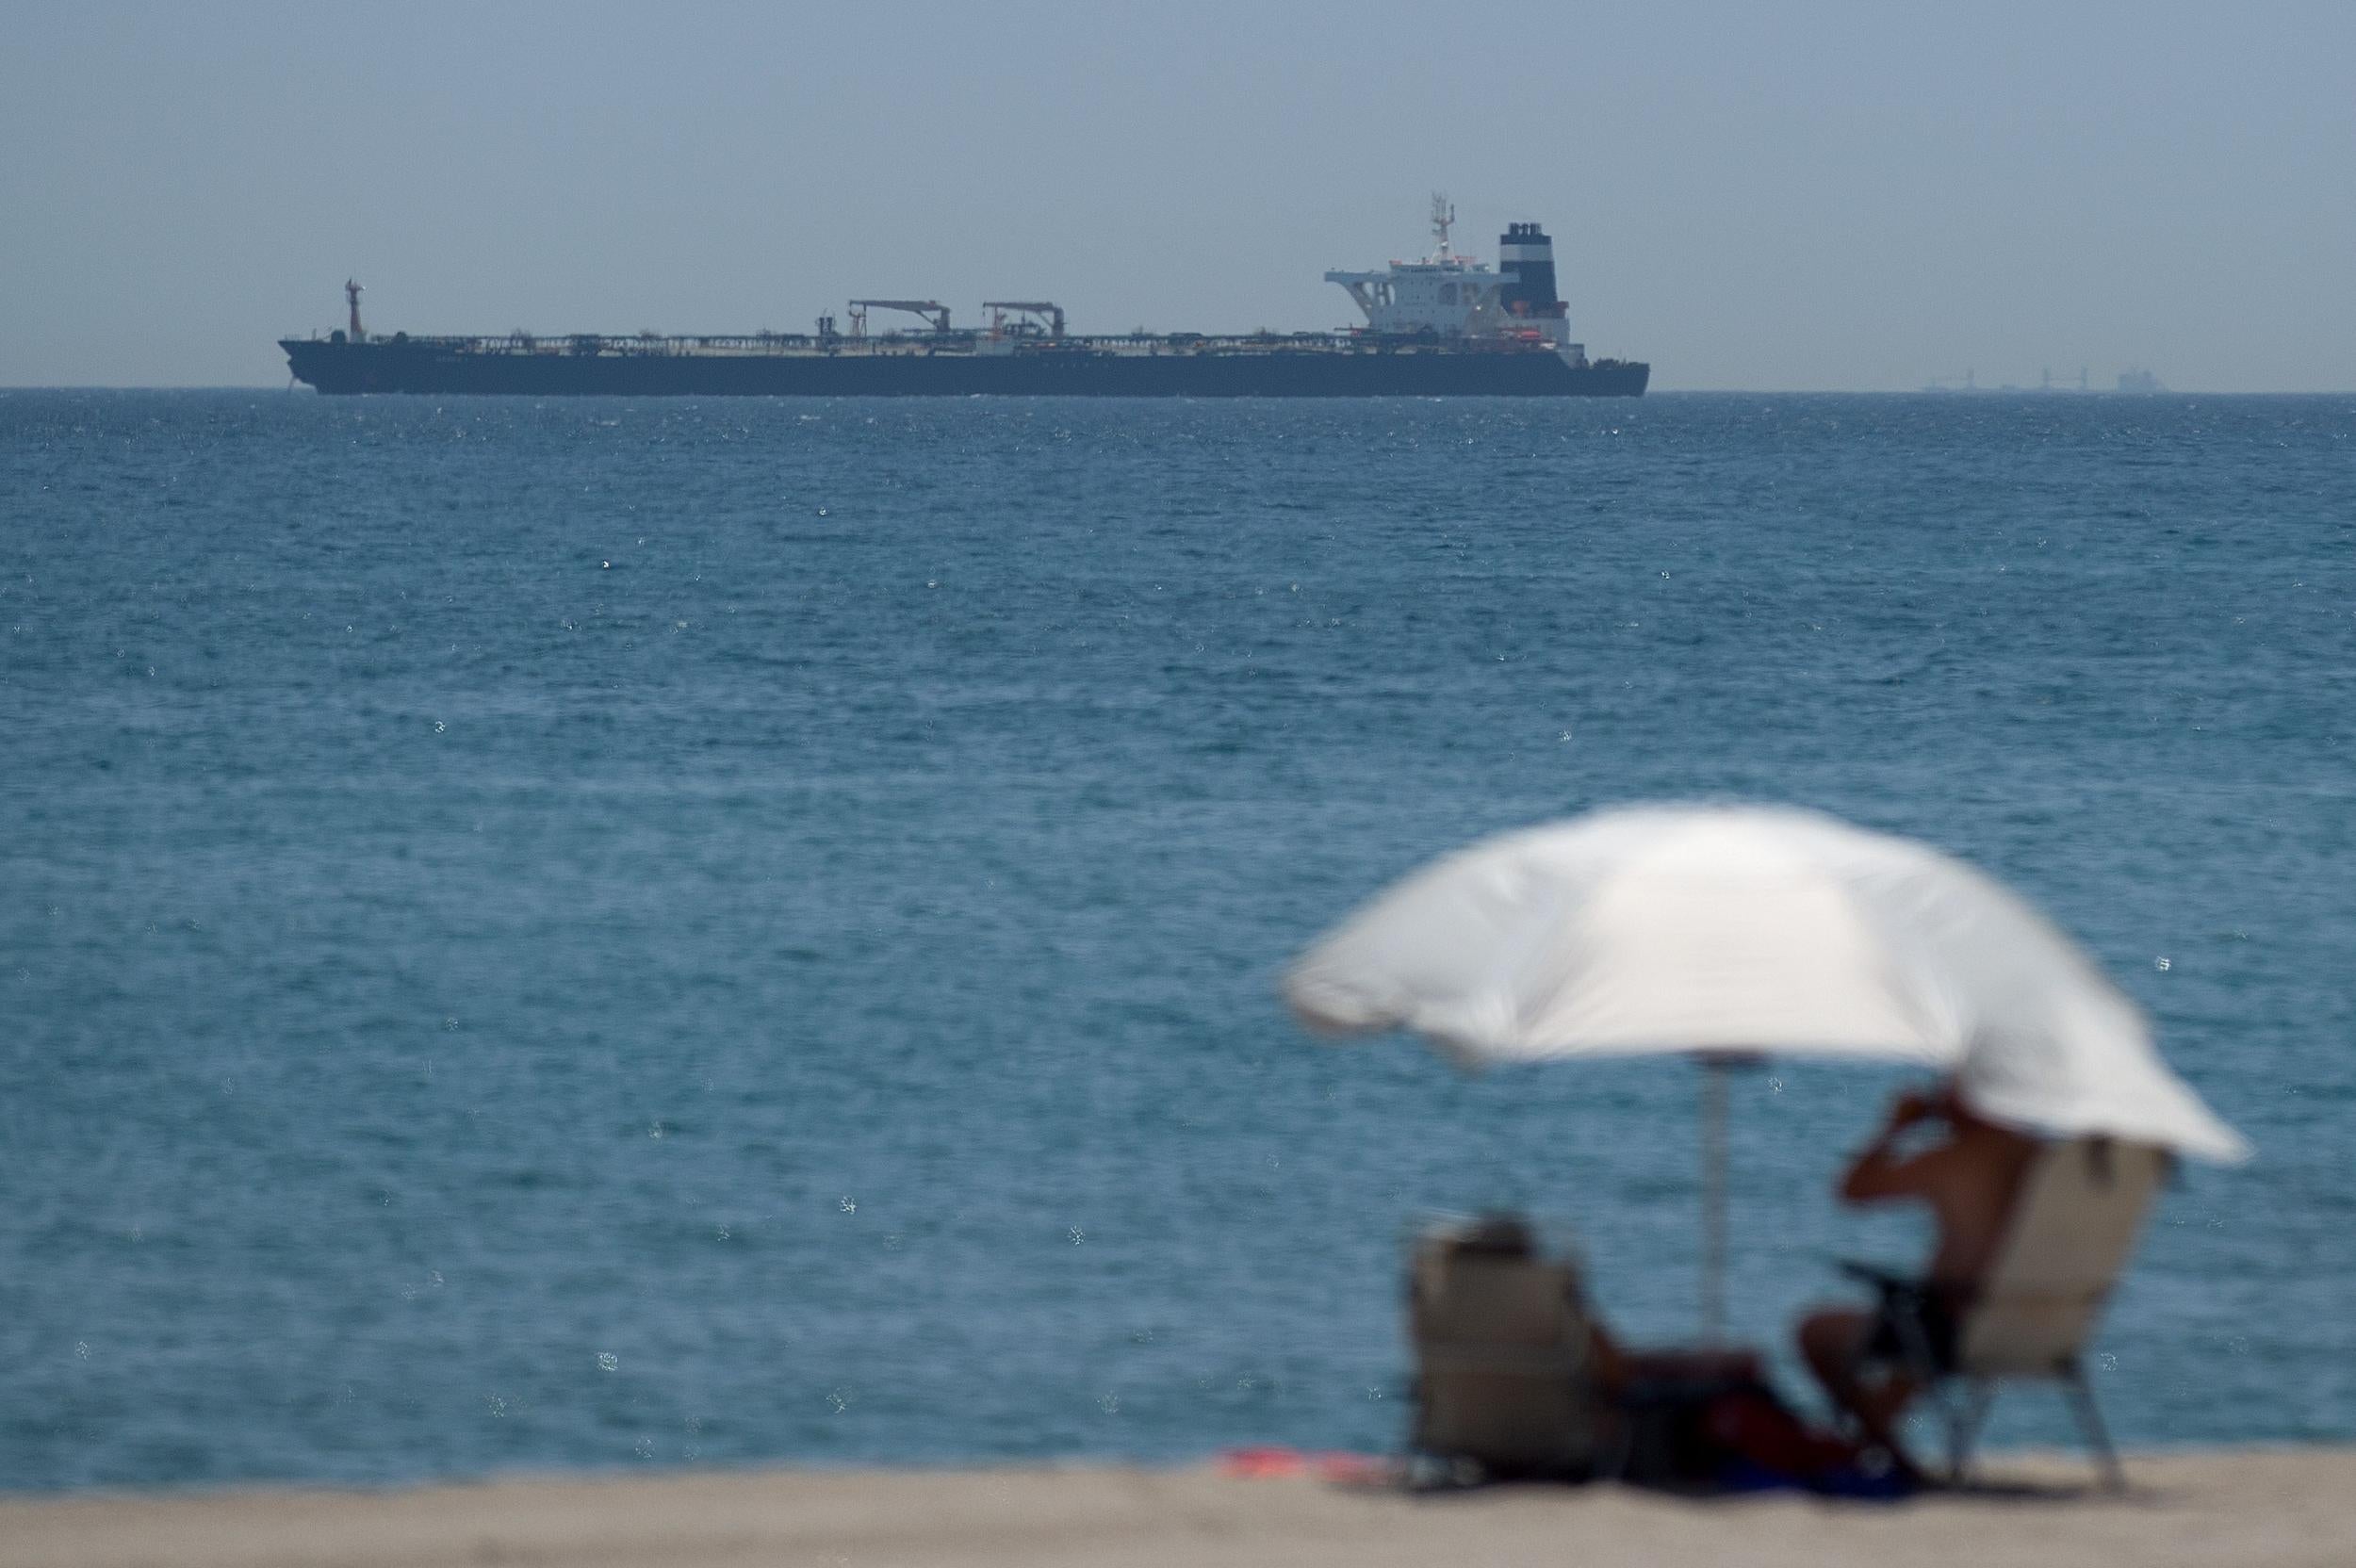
(2273, 1508)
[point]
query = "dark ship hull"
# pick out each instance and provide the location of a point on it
(1443, 327)
(1331, 366)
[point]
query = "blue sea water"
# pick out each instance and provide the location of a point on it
(600, 934)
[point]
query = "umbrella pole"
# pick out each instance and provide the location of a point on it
(1714, 1072)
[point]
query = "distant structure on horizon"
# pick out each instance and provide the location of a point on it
(2129, 380)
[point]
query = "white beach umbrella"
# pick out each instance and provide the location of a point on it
(1724, 932)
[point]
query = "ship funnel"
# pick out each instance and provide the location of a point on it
(1526, 264)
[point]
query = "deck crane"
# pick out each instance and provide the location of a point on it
(933, 311)
(1050, 313)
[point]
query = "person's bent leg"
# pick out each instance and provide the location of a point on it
(1832, 1339)
(1833, 1342)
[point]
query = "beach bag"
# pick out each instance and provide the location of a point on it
(1750, 1428)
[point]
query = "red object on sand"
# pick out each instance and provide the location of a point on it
(1272, 1463)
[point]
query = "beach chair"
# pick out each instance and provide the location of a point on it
(2071, 1230)
(1503, 1356)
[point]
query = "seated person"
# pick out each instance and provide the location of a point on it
(1516, 1373)
(1970, 1179)
(1616, 1367)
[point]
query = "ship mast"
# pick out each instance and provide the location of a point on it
(1442, 218)
(351, 294)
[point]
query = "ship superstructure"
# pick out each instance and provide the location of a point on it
(1448, 295)
(1443, 325)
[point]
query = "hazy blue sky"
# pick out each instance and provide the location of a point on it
(1747, 195)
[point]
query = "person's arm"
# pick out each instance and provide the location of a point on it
(1879, 1170)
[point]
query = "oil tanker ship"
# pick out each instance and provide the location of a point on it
(1446, 325)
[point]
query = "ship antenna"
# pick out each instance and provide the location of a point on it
(1443, 218)
(352, 293)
